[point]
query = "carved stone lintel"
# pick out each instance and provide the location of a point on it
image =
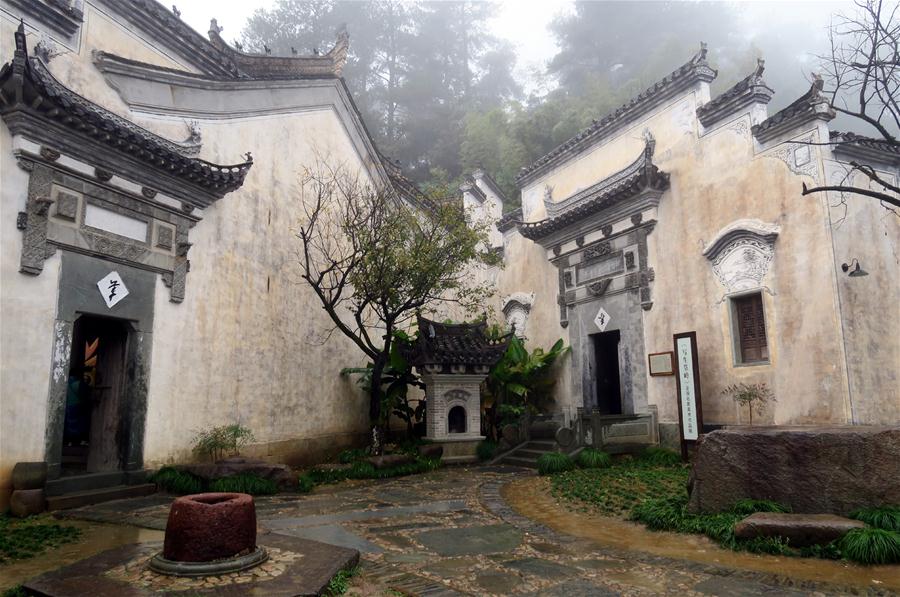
(102, 175)
(148, 192)
(637, 218)
(51, 155)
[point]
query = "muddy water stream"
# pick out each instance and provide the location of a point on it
(94, 538)
(531, 497)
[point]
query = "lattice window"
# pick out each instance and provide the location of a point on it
(750, 329)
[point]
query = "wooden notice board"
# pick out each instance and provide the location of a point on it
(687, 369)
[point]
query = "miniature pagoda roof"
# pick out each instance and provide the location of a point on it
(694, 70)
(447, 344)
(34, 103)
(639, 176)
(811, 105)
(751, 89)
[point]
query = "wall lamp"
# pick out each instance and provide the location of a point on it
(857, 271)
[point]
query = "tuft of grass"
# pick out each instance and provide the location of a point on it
(178, 482)
(361, 470)
(340, 582)
(23, 538)
(883, 517)
(656, 456)
(349, 456)
(305, 483)
(244, 483)
(17, 591)
(871, 546)
(486, 450)
(591, 458)
(554, 462)
(747, 507)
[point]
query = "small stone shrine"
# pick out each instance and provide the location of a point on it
(453, 360)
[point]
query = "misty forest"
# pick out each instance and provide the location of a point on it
(442, 94)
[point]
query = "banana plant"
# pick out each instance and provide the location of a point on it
(521, 382)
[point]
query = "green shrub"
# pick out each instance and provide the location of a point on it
(884, 517)
(830, 551)
(16, 591)
(219, 441)
(348, 456)
(590, 458)
(661, 514)
(305, 483)
(339, 584)
(178, 482)
(871, 546)
(747, 507)
(656, 456)
(554, 462)
(244, 483)
(486, 450)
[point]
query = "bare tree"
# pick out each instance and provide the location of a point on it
(862, 80)
(374, 258)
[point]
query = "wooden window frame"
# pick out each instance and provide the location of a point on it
(736, 344)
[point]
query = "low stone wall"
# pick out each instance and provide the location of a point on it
(811, 469)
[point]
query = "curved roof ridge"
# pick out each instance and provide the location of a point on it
(695, 69)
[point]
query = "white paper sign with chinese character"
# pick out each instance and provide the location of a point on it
(112, 288)
(688, 398)
(602, 319)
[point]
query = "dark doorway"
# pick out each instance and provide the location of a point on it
(456, 420)
(95, 411)
(606, 372)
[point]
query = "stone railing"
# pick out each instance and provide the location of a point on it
(617, 433)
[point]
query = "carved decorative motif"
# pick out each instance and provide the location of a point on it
(741, 127)
(516, 308)
(556, 250)
(567, 279)
(629, 260)
(741, 253)
(598, 288)
(103, 175)
(148, 192)
(66, 206)
(606, 230)
(597, 250)
(797, 157)
(34, 238)
(637, 218)
(164, 237)
(51, 155)
(579, 241)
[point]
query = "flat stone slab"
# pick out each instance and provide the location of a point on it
(799, 529)
(466, 541)
(296, 567)
(811, 469)
(576, 588)
(498, 583)
(452, 568)
(542, 568)
(724, 586)
(336, 535)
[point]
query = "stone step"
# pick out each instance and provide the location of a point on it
(524, 462)
(96, 496)
(542, 445)
(91, 481)
(527, 453)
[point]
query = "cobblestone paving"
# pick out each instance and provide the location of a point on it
(450, 532)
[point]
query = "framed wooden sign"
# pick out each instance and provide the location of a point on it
(661, 363)
(690, 412)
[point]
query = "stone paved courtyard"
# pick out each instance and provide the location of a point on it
(458, 531)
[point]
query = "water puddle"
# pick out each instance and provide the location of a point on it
(531, 498)
(95, 537)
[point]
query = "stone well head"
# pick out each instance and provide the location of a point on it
(210, 533)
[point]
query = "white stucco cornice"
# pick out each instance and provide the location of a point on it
(744, 228)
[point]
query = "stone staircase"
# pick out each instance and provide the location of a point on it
(527, 455)
(93, 488)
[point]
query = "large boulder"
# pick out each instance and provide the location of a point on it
(389, 460)
(25, 502)
(799, 529)
(811, 469)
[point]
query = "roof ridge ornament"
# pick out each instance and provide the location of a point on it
(750, 90)
(267, 66)
(811, 105)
